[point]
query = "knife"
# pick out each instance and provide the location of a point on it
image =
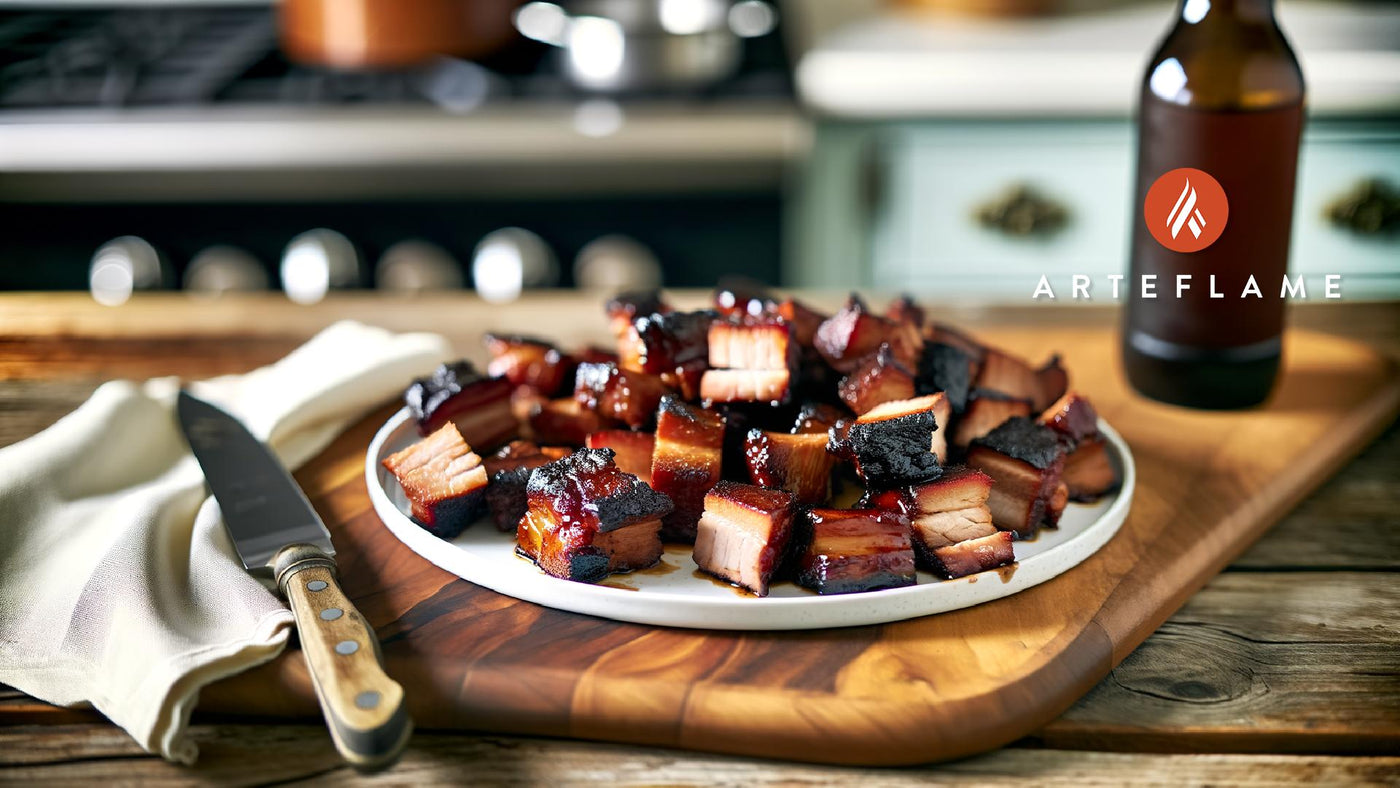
(278, 535)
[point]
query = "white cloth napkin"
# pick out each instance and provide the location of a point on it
(118, 584)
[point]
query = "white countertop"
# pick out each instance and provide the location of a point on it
(1089, 64)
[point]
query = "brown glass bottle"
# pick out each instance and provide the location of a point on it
(1223, 94)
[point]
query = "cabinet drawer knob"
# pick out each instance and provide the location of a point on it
(1371, 207)
(1022, 210)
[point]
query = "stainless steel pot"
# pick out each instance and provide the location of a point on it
(627, 45)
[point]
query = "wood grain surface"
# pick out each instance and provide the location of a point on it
(1340, 544)
(933, 688)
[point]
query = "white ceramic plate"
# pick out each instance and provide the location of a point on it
(673, 595)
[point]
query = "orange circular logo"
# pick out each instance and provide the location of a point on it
(1186, 210)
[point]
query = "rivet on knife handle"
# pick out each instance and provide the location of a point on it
(363, 706)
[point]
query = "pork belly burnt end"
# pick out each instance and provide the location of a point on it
(804, 321)
(1005, 373)
(799, 464)
(986, 410)
(443, 479)
(771, 386)
(587, 519)
(974, 555)
(1025, 461)
(817, 418)
(1089, 472)
(851, 550)
(457, 392)
(619, 395)
(880, 378)
(743, 534)
(633, 450)
(740, 296)
(563, 421)
(848, 336)
(509, 471)
(896, 443)
(526, 361)
(674, 346)
(686, 462)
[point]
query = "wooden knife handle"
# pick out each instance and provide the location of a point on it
(364, 708)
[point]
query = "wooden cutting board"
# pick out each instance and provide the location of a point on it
(939, 687)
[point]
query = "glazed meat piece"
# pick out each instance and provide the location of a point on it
(526, 361)
(880, 378)
(563, 421)
(799, 464)
(509, 471)
(1053, 382)
(847, 337)
(896, 443)
(1089, 473)
(764, 343)
(974, 555)
(743, 534)
(1025, 461)
(817, 418)
(673, 346)
(943, 512)
(443, 480)
(986, 410)
(947, 369)
(623, 308)
(457, 392)
(804, 320)
(619, 395)
(592, 354)
(960, 487)
(1006, 374)
(771, 386)
(686, 462)
(632, 450)
(586, 519)
(850, 550)
(905, 310)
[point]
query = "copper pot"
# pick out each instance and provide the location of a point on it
(392, 33)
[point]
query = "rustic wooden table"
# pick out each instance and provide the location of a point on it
(1284, 669)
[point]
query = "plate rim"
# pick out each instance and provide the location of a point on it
(620, 604)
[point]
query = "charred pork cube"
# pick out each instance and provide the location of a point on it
(1089, 473)
(847, 337)
(974, 555)
(509, 471)
(850, 550)
(960, 487)
(686, 462)
(1025, 461)
(817, 418)
(632, 450)
(804, 321)
(772, 386)
(1008, 375)
(880, 378)
(592, 354)
(743, 534)
(443, 479)
(563, 421)
(896, 443)
(623, 395)
(623, 308)
(587, 519)
(526, 361)
(456, 392)
(673, 346)
(905, 310)
(947, 369)
(950, 510)
(986, 410)
(799, 464)
(740, 296)
(752, 344)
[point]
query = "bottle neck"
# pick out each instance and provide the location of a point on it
(1195, 11)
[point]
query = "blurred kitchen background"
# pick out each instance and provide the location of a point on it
(952, 148)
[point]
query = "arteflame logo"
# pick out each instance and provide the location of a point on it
(1186, 210)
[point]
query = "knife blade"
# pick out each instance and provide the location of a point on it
(277, 532)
